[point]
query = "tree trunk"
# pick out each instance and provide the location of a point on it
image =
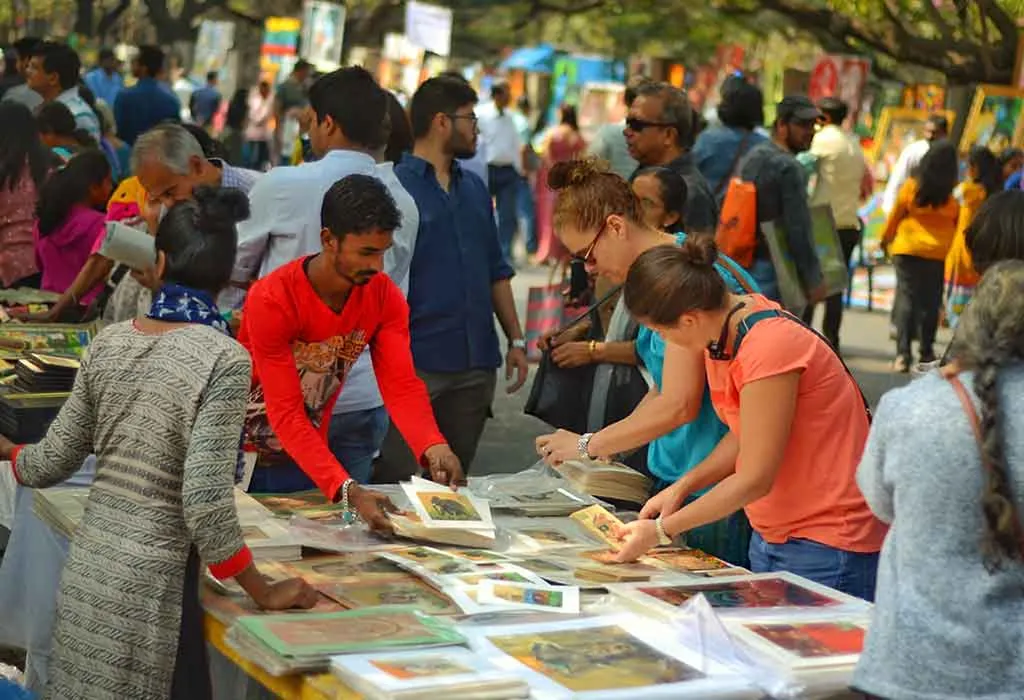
(84, 18)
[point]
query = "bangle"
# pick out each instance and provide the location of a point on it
(348, 515)
(592, 348)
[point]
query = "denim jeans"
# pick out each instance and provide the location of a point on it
(504, 185)
(852, 573)
(527, 206)
(355, 438)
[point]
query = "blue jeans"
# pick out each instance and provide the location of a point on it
(852, 573)
(355, 438)
(763, 272)
(527, 206)
(504, 184)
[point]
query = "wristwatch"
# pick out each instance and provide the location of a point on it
(663, 538)
(517, 344)
(583, 446)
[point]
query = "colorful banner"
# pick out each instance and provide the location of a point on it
(840, 76)
(279, 50)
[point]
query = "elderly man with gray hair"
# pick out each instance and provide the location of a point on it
(169, 162)
(660, 131)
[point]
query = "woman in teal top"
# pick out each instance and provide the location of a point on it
(609, 224)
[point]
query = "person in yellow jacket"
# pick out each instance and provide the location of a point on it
(918, 236)
(984, 179)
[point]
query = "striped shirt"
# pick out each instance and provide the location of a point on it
(85, 117)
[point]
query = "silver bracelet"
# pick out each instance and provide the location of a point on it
(348, 514)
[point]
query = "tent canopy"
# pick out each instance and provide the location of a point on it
(533, 59)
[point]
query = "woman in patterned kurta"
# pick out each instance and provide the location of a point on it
(160, 401)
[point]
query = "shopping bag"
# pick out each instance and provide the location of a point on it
(791, 291)
(834, 271)
(737, 225)
(545, 313)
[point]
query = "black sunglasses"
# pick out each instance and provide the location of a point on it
(634, 124)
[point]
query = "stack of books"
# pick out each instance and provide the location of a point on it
(24, 417)
(45, 374)
(286, 643)
(451, 673)
(608, 480)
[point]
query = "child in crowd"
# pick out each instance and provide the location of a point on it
(58, 131)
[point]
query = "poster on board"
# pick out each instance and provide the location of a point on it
(843, 77)
(429, 27)
(323, 34)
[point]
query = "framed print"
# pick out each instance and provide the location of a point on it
(995, 119)
(898, 128)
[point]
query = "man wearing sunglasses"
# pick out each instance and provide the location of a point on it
(660, 132)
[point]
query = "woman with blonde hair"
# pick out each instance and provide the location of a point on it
(944, 464)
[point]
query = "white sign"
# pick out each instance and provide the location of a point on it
(323, 34)
(429, 27)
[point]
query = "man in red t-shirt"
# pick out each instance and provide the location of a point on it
(305, 324)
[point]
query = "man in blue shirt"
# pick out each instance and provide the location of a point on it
(459, 279)
(53, 72)
(105, 80)
(205, 102)
(141, 107)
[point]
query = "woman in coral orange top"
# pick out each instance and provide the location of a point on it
(797, 427)
(918, 236)
(984, 179)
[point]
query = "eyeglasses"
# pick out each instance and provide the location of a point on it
(634, 124)
(587, 253)
(471, 117)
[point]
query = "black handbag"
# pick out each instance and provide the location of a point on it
(561, 396)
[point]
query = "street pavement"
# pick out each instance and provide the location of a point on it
(507, 442)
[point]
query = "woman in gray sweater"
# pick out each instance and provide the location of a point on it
(949, 615)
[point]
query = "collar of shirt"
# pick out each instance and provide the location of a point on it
(237, 178)
(423, 167)
(69, 95)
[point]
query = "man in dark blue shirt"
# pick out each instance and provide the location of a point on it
(205, 102)
(459, 279)
(141, 107)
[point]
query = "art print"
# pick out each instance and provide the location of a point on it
(814, 640)
(478, 555)
(448, 507)
(996, 119)
(600, 523)
(432, 666)
(399, 592)
(529, 595)
(594, 659)
(687, 560)
(440, 507)
(756, 593)
(351, 567)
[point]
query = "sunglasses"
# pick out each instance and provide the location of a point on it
(471, 117)
(634, 124)
(586, 255)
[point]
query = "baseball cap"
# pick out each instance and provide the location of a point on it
(797, 108)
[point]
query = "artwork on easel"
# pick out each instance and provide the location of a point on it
(995, 120)
(897, 129)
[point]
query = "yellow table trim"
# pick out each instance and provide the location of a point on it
(312, 687)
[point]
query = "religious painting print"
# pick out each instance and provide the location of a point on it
(352, 630)
(600, 523)
(478, 555)
(995, 120)
(407, 591)
(545, 566)
(743, 593)
(686, 560)
(805, 643)
(350, 566)
(443, 506)
(424, 666)
(594, 659)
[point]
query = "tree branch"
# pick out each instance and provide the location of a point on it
(945, 29)
(110, 17)
(1005, 23)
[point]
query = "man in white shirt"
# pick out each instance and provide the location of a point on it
(500, 134)
(54, 73)
(349, 133)
(840, 164)
(937, 127)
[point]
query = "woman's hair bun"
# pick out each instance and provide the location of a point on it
(220, 207)
(700, 250)
(571, 173)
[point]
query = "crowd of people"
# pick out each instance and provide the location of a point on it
(337, 320)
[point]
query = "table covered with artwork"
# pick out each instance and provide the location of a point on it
(509, 591)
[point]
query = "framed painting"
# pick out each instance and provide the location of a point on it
(995, 119)
(898, 127)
